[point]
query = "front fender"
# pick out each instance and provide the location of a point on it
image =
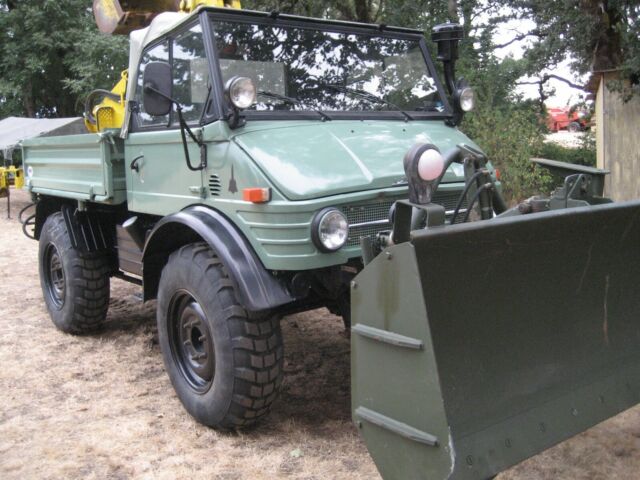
(257, 288)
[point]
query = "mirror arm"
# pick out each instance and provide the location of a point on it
(184, 129)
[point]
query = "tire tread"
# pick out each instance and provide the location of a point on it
(256, 344)
(89, 274)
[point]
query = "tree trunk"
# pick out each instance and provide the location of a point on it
(363, 11)
(607, 45)
(27, 100)
(453, 11)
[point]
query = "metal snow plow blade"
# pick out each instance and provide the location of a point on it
(476, 346)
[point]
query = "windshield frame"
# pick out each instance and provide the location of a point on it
(266, 19)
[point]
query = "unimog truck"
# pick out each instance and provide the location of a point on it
(251, 165)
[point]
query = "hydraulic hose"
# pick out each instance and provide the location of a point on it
(464, 195)
(474, 200)
(28, 221)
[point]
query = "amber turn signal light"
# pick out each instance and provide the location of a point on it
(256, 195)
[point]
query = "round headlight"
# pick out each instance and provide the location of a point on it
(430, 165)
(242, 92)
(330, 230)
(467, 99)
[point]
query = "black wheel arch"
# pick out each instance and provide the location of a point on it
(45, 207)
(258, 289)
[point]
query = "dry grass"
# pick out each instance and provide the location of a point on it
(101, 406)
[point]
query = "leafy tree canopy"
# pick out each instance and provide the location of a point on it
(598, 35)
(52, 55)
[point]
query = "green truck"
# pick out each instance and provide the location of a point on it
(271, 164)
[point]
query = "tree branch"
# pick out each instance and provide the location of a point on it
(552, 76)
(517, 38)
(345, 11)
(452, 7)
(379, 11)
(481, 12)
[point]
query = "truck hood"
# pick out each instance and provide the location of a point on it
(311, 160)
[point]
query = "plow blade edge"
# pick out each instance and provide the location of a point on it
(476, 346)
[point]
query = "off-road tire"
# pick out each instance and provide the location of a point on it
(75, 285)
(244, 380)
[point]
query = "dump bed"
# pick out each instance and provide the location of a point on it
(87, 167)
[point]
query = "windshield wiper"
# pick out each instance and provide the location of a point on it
(205, 105)
(370, 97)
(293, 101)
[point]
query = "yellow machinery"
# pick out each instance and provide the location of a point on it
(11, 173)
(109, 113)
(120, 17)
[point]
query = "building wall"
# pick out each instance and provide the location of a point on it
(600, 123)
(618, 137)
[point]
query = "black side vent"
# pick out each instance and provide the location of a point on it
(215, 186)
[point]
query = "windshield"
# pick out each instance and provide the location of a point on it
(304, 69)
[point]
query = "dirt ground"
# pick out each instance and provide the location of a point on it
(102, 407)
(566, 139)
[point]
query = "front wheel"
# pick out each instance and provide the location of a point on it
(226, 367)
(574, 127)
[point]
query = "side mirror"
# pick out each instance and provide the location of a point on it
(447, 36)
(157, 88)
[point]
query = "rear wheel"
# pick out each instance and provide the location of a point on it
(75, 285)
(225, 366)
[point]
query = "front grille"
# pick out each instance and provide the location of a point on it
(448, 200)
(367, 220)
(362, 217)
(371, 212)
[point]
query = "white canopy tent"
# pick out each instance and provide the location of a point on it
(15, 129)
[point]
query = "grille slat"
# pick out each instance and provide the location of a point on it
(370, 212)
(215, 185)
(379, 211)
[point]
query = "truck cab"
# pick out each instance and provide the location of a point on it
(336, 108)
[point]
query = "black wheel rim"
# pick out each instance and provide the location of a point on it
(191, 342)
(54, 274)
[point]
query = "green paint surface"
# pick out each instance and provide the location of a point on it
(316, 159)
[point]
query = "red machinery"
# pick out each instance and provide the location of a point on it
(566, 118)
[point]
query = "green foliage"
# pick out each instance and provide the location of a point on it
(598, 35)
(584, 155)
(52, 55)
(407, 13)
(15, 159)
(510, 135)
